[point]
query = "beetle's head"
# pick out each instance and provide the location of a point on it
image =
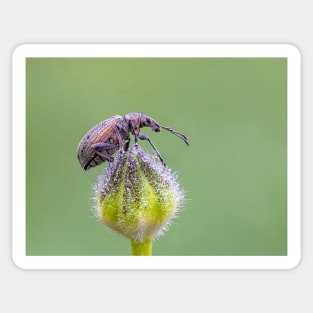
(147, 121)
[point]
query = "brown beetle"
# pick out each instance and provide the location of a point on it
(104, 139)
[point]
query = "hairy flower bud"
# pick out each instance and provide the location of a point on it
(137, 196)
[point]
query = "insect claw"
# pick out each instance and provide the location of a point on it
(162, 161)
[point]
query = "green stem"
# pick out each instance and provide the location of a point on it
(142, 248)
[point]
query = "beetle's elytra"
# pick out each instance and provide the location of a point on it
(104, 139)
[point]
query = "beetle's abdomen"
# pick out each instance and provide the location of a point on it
(103, 132)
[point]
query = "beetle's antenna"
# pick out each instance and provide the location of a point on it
(178, 134)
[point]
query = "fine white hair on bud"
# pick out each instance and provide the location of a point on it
(137, 196)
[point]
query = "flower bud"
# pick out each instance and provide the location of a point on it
(137, 196)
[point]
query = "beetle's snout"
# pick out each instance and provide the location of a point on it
(155, 127)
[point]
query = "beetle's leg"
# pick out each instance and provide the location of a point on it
(103, 145)
(126, 145)
(142, 136)
(118, 129)
(133, 131)
(103, 154)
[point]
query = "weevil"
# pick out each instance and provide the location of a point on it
(112, 134)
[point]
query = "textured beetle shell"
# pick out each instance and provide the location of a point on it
(103, 132)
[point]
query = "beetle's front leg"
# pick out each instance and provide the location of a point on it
(142, 136)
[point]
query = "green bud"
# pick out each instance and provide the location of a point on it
(137, 196)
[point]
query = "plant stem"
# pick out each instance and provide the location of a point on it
(142, 248)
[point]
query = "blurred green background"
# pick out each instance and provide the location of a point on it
(234, 112)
